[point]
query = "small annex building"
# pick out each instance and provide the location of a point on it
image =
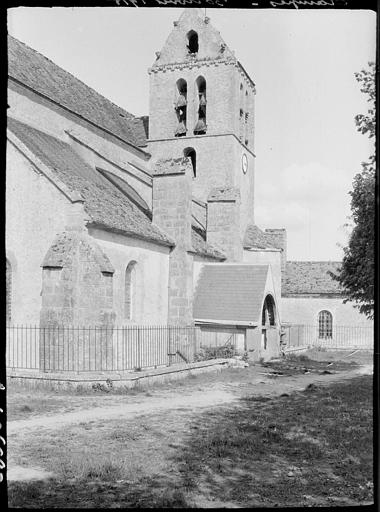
(311, 298)
(238, 300)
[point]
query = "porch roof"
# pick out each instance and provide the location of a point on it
(230, 293)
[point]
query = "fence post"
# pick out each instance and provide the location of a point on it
(195, 344)
(170, 345)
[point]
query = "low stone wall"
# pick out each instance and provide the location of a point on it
(146, 378)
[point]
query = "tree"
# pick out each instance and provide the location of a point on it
(357, 272)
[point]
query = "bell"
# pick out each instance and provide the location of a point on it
(181, 129)
(202, 101)
(181, 102)
(200, 127)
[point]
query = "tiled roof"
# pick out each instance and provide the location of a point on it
(106, 205)
(127, 190)
(43, 76)
(203, 248)
(310, 277)
(230, 292)
(256, 238)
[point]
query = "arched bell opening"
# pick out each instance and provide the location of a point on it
(192, 42)
(181, 107)
(201, 125)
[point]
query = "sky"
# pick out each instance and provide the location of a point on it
(302, 62)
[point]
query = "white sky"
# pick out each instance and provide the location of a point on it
(303, 64)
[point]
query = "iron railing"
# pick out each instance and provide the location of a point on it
(342, 337)
(105, 348)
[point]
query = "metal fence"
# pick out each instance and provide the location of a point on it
(343, 337)
(107, 348)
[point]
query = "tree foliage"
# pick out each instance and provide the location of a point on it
(357, 272)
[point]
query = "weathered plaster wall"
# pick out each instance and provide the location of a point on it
(35, 212)
(152, 274)
(304, 310)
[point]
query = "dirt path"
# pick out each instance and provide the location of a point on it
(189, 399)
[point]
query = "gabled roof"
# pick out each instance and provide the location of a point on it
(211, 45)
(106, 205)
(310, 277)
(61, 252)
(43, 76)
(230, 292)
(255, 238)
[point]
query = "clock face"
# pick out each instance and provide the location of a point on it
(244, 163)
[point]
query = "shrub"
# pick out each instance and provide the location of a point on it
(224, 352)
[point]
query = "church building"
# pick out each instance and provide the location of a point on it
(118, 220)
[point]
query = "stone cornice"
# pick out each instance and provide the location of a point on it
(194, 63)
(188, 137)
(199, 63)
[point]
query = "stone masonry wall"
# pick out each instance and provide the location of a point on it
(172, 205)
(219, 164)
(77, 291)
(277, 237)
(223, 222)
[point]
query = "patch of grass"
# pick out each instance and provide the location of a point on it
(295, 364)
(87, 493)
(245, 456)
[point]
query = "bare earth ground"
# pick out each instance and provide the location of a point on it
(145, 448)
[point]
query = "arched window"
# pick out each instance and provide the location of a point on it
(191, 153)
(241, 112)
(181, 107)
(201, 126)
(130, 291)
(9, 291)
(246, 118)
(269, 311)
(325, 324)
(192, 44)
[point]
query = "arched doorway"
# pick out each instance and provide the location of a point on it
(268, 319)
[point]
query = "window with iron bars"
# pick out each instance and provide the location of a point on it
(325, 324)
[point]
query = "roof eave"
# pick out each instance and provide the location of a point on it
(212, 321)
(146, 238)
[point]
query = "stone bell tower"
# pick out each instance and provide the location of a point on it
(202, 107)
